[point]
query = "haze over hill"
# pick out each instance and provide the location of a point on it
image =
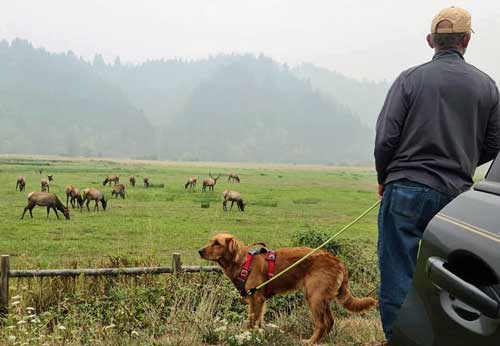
(57, 104)
(228, 108)
(364, 98)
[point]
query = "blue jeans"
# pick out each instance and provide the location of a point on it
(405, 211)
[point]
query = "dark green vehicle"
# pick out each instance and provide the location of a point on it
(455, 298)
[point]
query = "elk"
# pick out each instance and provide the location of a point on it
(21, 183)
(210, 182)
(233, 196)
(111, 178)
(50, 178)
(131, 180)
(146, 181)
(233, 177)
(73, 194)
(118, 190)
(91, 194)
(45, 199)
(191, 182)
(44, 184)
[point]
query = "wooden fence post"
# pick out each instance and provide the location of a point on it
(176, 263)
(4, 284)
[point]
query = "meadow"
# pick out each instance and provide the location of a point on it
(155, 222)
(283, 203)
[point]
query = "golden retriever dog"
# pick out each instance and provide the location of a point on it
(322, 276)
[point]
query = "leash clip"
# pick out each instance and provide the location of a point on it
(251, 291)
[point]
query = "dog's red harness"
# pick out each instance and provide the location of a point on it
(245, 270)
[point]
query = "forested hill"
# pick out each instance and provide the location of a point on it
(242, 108)
(256, 110)
(228, 107)
(58, 104)
(364, 98)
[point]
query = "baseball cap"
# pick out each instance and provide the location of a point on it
(459, 18)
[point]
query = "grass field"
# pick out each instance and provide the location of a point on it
(151, 224)
(155, 222)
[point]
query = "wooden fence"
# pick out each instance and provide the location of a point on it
(6, 274)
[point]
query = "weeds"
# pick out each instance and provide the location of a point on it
(188, 309)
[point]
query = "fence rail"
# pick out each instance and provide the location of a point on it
(6, 274)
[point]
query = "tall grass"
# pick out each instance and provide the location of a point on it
(184, 309)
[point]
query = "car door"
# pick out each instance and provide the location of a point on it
(455, 297)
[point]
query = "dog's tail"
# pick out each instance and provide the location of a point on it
(351, 303)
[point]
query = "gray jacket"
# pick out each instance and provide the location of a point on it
(439, 122)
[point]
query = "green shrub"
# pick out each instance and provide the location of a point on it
(314, 238)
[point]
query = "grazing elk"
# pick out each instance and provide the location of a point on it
(91, 194)
(44, 184)
(73, 194)
(21, 183)
(118, 190)
(45, 199)
(131, 180)
(210, 182)
(191, 183)
(146, 181)
(233, 196)
(50, 178)
(233, 177)
(111, 178)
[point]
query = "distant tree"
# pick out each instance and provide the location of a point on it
(99, 62)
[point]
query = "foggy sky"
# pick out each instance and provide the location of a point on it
(362, 39)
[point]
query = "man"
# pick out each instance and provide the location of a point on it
(439, 122)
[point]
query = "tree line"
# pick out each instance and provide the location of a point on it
(224, 108)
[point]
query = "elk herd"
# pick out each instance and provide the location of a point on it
(78, 199)
(74, 197)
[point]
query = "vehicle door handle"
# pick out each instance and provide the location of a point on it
(467, 293)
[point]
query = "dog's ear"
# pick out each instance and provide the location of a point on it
(232, 244)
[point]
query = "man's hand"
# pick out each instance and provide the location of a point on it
(380, 190)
